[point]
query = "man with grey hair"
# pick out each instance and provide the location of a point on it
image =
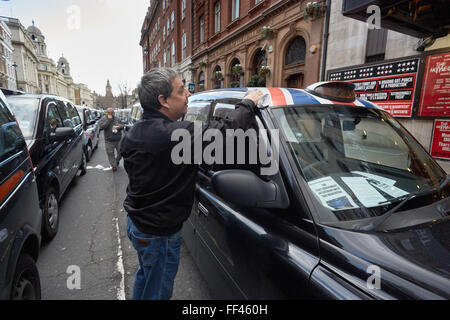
(112, 128)
(160, 193)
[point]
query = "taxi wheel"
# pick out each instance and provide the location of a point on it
(88, 152)
(26, 284)
(50, 220)
(83, 165)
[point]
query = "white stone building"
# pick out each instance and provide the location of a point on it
(23, 56)
(7, 71)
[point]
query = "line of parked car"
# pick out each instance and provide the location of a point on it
(45, 143)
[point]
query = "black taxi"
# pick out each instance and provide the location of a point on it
(355, 207)
(53, 131)
(20, 215)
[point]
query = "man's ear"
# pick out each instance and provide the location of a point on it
(163, 101)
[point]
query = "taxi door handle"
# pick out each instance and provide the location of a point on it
(202, 210)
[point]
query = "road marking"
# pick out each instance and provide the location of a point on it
(99, 167)
(120, 266)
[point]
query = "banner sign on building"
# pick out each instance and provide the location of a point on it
(390, 85)
(435, 96)
(440, 143)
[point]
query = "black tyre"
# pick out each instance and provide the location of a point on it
(88, 152)
(83, 165)
(26, 284)
(50, 219)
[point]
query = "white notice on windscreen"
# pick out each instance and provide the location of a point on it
(368, 195)
(384, 184)
(385, 180)
(331, 194)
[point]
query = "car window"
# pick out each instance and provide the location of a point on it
(90, 115)
(222, 109)
(11, 138)
(65, 114)
(80, 112)
(52, 121)
(25, 110)
(198, 111)
(73, 113)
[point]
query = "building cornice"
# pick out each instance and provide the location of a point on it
(152, 11)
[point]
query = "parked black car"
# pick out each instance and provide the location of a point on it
(54, 133)
(357, 210)
(91, 130)
(20, 215)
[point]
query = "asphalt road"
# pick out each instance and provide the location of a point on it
(91, 257)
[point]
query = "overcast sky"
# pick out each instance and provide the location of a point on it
(99, 38)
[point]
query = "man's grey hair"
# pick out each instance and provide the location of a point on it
(154, 83)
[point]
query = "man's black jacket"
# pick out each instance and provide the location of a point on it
(160, 193)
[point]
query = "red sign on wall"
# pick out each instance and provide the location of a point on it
(394, 94)
(440, 144)
(435, 97)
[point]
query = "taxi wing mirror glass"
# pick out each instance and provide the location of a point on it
(245, 189)
(62, 134)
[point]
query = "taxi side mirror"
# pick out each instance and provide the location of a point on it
(245, 189)
(62, 134)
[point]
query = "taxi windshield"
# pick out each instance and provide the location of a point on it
(358, 162)
(25, 111)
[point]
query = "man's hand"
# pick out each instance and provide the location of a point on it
(254, 95)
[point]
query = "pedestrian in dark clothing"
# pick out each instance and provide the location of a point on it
(112, 129)
(160, 193)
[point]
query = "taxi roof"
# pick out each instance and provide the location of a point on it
(277, 97)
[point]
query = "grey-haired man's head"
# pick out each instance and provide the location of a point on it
(161, 89)
(154, 83)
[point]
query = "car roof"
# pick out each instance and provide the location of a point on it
(277, 97)
(11, 93)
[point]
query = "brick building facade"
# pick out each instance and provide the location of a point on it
(166, 37)
(237, 43)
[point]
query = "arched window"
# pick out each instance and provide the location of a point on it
(259, 60)
(296, 51)
(201, 81)
(217, 78)
(237, 74)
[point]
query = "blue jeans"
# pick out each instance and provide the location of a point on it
(159, 257)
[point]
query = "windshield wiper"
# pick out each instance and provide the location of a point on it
(379, 220)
